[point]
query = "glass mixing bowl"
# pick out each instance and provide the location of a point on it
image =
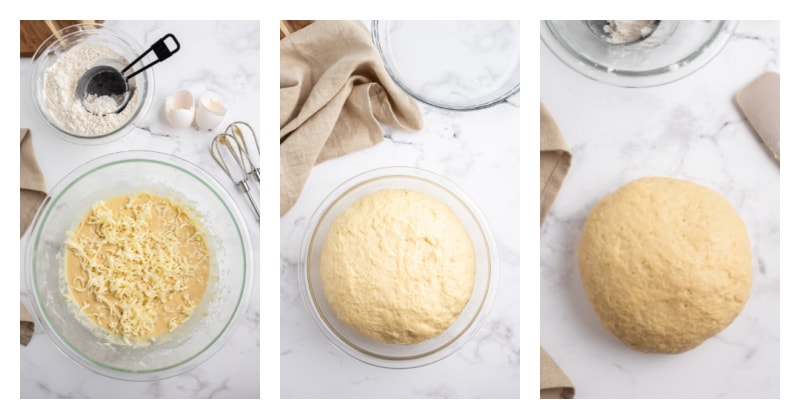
(55, 47)
(397, 355)
(455, 65)
(231, 273)
(675, 49)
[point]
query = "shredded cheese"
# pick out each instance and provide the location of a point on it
(137, 265)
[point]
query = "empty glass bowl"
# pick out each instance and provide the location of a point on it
(455, 65)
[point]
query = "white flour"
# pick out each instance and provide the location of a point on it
(61, 83)
(625, 31)
(100, 105)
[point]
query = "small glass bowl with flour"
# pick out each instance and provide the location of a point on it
(58, 64)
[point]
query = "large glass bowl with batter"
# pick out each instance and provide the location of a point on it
(387, 355)
(229, 283)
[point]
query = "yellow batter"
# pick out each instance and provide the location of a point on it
(137, 265)
(398, 266)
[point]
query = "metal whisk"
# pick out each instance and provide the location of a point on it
(238, 153)
(235, 129)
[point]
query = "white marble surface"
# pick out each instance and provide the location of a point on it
(479, 151)
(690, 129)
(214, 56)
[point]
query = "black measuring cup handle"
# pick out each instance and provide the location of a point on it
(161, 50)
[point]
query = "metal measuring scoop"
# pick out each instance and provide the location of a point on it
(104, 89)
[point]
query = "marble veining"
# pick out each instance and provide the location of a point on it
(691, 129)
(214, 56)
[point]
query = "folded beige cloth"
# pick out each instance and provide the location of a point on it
(554, 162)
(760, 101)
(553, 383)
(25, 325)
(32, 188)
(32, 191)
(335, 94)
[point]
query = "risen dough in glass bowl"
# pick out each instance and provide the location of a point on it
(397, 355)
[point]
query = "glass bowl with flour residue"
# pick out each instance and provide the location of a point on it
(62, 59)
(667, 51)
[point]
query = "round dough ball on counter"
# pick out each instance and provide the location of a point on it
(665, 263)
(398, 266)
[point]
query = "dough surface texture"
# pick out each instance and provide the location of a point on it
(665, 263)
(398, 266)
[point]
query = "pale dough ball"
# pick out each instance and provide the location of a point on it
(665, 263)
(398, 266)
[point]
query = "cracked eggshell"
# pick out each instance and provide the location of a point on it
(210, 112)
(179, 109)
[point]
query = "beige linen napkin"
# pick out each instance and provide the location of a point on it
(32, 188)
(32, 191)
(554, 162)
(25, 325)
(335, 94)
(760, 101)
(553, 383)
